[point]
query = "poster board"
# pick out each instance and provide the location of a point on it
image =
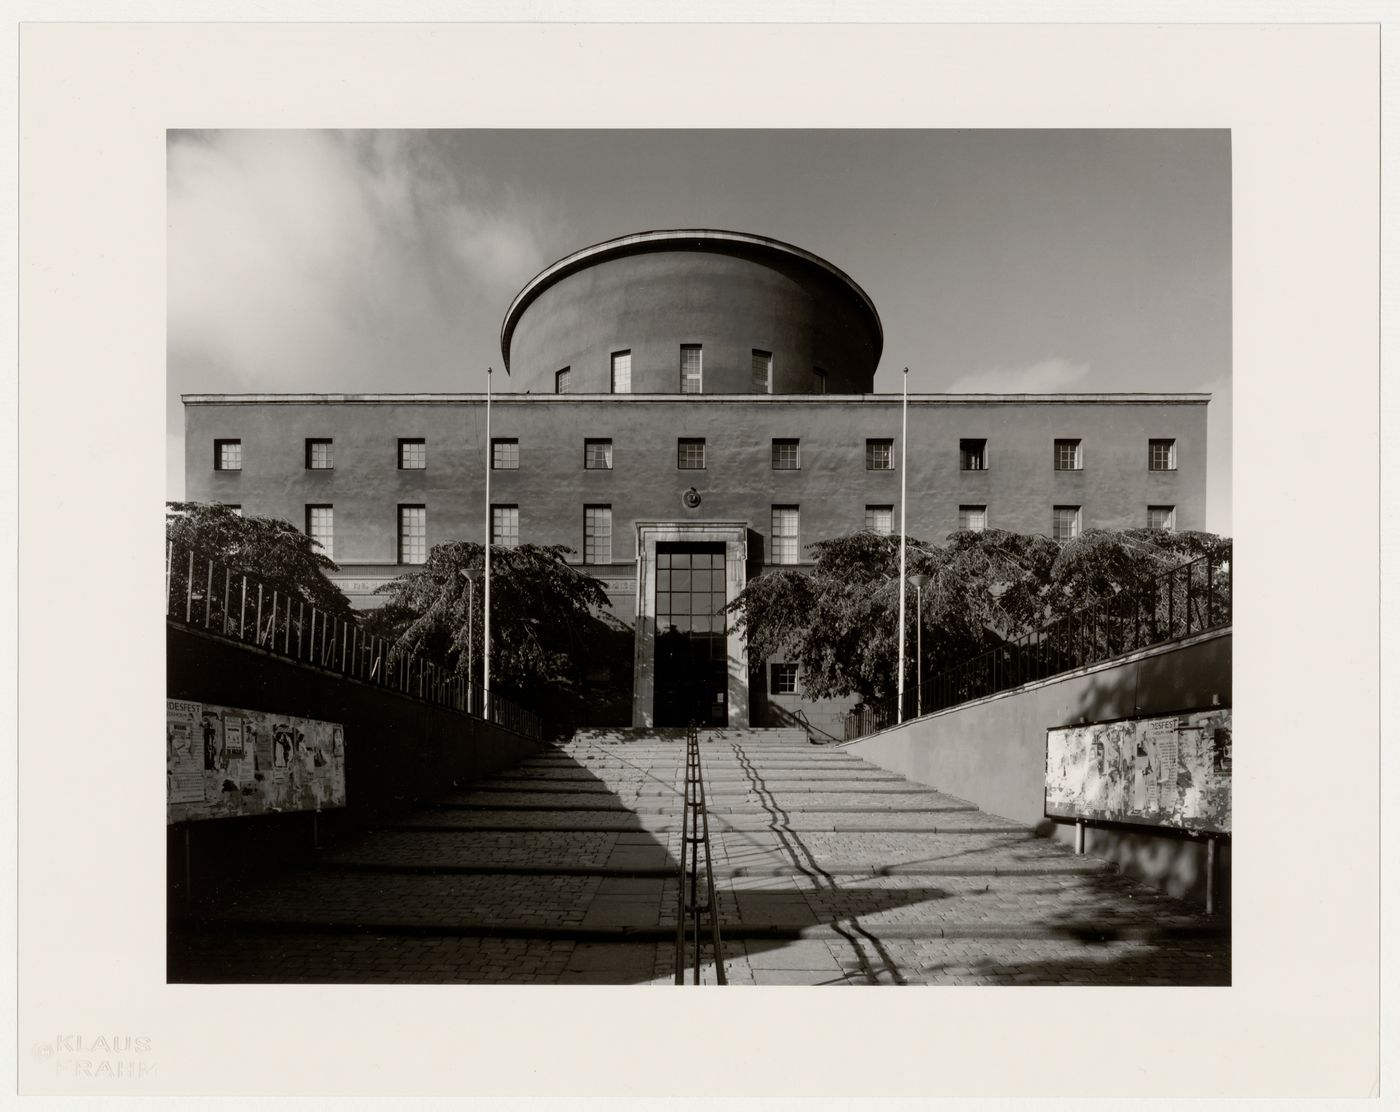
(1169, 772)
(223, 762)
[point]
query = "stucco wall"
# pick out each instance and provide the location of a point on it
(725, 299)
(832, 487)
(992, 751)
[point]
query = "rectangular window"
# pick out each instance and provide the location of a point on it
(413, 455)
(879, 455)
(1066, 526)
(972, 517)
(413, 534)
(505, 454)
(784, 679)
(561, 381)
(691, 369)
(622, 372)
(783, 541)
(228, 455)
(972, 455)
(1069, 455)
(785, 457)
(762, 372)
(1161, 517)
(319, 455)
(1161, 455)
(818, 381)
(597, 534)
(505, 526)
(879, 519)
(320, 527)
(597, 455)
(690, 453)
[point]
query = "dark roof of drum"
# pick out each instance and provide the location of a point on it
(676, 239)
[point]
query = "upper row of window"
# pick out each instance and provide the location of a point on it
(690, 454)
(691, 371)
(784, 537)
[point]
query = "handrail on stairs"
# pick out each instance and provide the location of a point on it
(695, 835)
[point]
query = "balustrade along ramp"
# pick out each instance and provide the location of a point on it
(825, 869)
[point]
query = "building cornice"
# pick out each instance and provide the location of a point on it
(1185, 398)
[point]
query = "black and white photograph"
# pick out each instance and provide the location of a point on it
(714, 581)
(627, 528)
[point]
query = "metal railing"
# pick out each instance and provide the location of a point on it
(1192, 598)
(695, 836)
(215, 598)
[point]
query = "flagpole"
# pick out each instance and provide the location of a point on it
(903, 490)
(486, 563)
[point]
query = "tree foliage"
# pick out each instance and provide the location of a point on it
(272, 551)
(838, 622)
(1100, 564)
(545, 620)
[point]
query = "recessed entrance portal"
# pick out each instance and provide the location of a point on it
(692, 673)
(686, 664)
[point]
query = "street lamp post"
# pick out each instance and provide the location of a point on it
(471, 577)
(920, 581)
(903, 488)
(486, 563)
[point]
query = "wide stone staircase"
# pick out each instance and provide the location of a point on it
(828, 870)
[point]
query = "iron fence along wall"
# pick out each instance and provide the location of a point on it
(1191, 598)
(204, 594)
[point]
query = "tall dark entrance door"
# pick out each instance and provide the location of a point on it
(692, 673)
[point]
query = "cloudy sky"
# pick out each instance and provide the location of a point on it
(999, 260)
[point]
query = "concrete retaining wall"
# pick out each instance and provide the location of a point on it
(396, 749)
(992, 751)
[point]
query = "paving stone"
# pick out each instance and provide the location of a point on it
(903, 885)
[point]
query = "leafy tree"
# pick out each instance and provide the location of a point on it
(837, 623)
(546, 627)
(272, 551)
(1101, 564)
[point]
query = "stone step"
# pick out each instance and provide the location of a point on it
(1039, 905)
(961, 822)
(827, 869)
(1081, 867)
(759, 853)
(755, 808)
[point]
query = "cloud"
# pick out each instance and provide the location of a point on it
(327, 260)
(1046, 376)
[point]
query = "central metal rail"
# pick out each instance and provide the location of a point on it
(695, 836)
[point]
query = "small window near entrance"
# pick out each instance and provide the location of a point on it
(782, 679)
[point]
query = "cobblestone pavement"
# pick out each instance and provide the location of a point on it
(828, 870)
